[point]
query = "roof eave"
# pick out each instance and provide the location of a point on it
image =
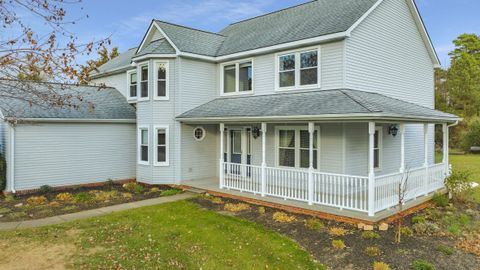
(69, 120)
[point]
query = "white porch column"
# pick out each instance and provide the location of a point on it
(426, 148)
(445, 148)
(371, 169)
(264, 159)
(311, 130)
(402, 147)
(222, 152)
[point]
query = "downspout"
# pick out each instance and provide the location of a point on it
(12, 157)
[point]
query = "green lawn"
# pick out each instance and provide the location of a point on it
(469, 163)
(177, 235)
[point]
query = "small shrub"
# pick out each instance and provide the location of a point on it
(54, 204)
(464, 220)
(369, 235)
(9, 198)
(427, 228)
(283, 217)
(126, 195)
(82, 197)
(261, 210)
(104, 196)
(406, 231)
(338, 244)
(236, 207)
(337, 231)
(458, 184)
(314, 224)
(440, 200)
(418, 219)
(454, 229)
(37, 200)
(170, 192)
(373, 251)
(45, 189)
(445, 250)
(154, 190)
(133, 187)
(70, 208)
(216, 200)
(64, 197)
(422, 265)
(381, 266)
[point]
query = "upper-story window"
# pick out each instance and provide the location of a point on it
(237, 77)
(161, 80)
(298, 70)
(132, 84)
(144, 81)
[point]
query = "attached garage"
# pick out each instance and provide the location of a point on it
(89, 143)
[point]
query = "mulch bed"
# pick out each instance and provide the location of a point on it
(319, 242)
(19, 209)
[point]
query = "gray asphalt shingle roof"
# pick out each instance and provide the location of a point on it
(121, 61)
(160, 46)
(313, 103)
(92, 103)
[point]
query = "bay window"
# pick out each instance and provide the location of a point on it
(237, 77)
(293, 149)
(161, 80)
(161, 151)
(298, 70)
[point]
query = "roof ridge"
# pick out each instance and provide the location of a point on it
(191, 28)
(272, 12)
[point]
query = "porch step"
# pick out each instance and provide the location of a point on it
(196, 190)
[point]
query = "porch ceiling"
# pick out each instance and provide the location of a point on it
(320, 105)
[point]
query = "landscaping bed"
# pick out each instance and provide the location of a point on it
(48, 202)
(446, 237)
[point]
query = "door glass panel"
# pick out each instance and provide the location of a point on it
(236, 141)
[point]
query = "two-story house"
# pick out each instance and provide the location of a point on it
(326, 105)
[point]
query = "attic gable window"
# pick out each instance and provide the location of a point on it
(298, 70)
(237, 78)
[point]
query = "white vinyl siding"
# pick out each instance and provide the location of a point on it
(66, 154)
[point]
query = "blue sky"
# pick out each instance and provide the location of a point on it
(127, 21)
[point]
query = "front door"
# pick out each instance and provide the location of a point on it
(240, 145)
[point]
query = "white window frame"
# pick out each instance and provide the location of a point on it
(297, 85)
(297, 147)
(139, 144)
(204, 134)
(237, 78)
(155, 82)
(380, 148)
(129, 73)
(139, 82)
(167, 146)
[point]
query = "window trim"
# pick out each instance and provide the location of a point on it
(139, 144)
(139, 81)
(237, 77)
(129, 73)
(155, 81)
(380, 148)
(297, 85)
(297, 147)
(204, 134)
(166, 163)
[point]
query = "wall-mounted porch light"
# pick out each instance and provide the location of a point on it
(393, 130)
(255, 132)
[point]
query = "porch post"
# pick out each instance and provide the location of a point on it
(221, 169)
(445, 148)
(264, 159)
(371, 169)
(402, 147)
(426, 142)
(311, 130)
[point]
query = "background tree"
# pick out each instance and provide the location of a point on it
(40, 48)
(93, 65)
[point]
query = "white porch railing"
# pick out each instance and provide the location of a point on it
(335, 190)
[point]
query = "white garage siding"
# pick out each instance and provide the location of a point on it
(64, 154)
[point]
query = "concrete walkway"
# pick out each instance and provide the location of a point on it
(90, 213)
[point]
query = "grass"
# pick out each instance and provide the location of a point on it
(177, 235)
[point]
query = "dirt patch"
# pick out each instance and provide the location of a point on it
(34, 256)
(318, 242)
(41, 205)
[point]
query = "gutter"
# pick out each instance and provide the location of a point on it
(70, 120)
(12, 157)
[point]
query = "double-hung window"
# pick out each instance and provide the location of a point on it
(144, 82)
(161, 80)
(377, 148)
(293, 149)
(298, 70)
(143, 145)
(161, 151)
(132, 84)
(237, 77)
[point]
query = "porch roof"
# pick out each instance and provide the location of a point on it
(340, 104)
